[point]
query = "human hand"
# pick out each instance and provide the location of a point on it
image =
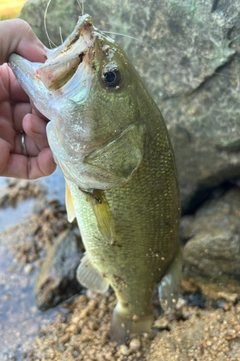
(24, 149)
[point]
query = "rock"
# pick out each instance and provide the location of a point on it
(60, 20)
(57, 275)
(212, 252)
(188, 54)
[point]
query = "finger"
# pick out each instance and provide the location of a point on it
(5, 148)
(16, 36)
(19, 166)
(9, 86)
(19, 111)
(25, 145)
(44, 164)
(35, 128)
(7, 132)
(33, 138)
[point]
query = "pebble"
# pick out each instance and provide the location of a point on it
(28, 268)
(65, 338)
(161, 323)
(180, 303)
(124, 350)
(135, 345)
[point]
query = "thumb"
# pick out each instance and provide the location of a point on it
(17, 36)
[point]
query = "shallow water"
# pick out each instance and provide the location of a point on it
(55, 186)
(19, 318)
(12, 216)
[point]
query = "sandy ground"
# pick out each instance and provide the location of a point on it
(81, 333)
(78, 329)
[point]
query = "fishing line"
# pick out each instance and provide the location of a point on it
(51, 43)
(81, 5)
(128, 36)
(60, 34)
(45, 25)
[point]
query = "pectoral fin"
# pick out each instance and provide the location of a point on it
(103, 215)
(69, 205)
(90, 277)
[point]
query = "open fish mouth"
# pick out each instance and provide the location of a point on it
(55, 75)
(61, 64)
(63, 61)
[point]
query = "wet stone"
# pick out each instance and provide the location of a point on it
(57, 275)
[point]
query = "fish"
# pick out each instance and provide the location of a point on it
(111, 143)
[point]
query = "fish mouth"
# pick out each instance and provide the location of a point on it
(55, 75)
(62, 62)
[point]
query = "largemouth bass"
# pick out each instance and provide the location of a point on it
(111, 143)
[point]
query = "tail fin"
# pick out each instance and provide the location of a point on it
(123, 324)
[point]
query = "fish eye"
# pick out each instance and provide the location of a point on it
(112, 78)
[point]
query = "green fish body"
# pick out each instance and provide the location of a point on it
(111, 143)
